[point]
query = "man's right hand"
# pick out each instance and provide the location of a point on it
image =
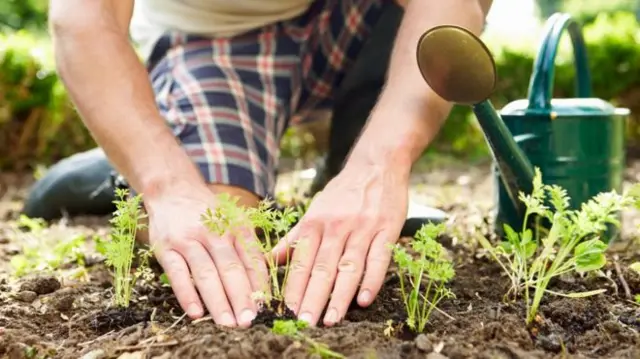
(226, 270)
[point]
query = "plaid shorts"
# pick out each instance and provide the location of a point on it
(229, 100)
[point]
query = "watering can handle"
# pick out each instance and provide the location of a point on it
(541, 85)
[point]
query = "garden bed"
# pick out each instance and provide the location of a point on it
(67, 318)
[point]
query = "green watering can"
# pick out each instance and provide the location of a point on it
(578, 143)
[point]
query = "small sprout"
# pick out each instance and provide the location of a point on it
(389, 329)
(637, 298)
(43, 250)
(292, 329)
(431, 266)
(572, 244)
(230, 218)
(164, 279)
(120, 250)
(635, 267)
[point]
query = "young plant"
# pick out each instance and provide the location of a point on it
(429, 265)
(292, 329)
(230, 218)
(119, 251)
(44, 250)
(572, 244)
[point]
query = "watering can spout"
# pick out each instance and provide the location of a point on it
(459, 67)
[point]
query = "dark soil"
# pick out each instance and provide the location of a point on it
(66, 318)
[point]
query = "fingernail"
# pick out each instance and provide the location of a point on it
(305, 317)
(247, 316)
(194, 310)
(331, 317)
(226, 319)
(365, 297)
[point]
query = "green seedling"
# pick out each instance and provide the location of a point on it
(293, 328)
(120, 249)
(230, 218)
(43, 250)
(429, 265)
(572, 244)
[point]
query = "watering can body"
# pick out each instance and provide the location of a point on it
(578, 143)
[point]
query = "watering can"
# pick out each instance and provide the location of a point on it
(577, 143)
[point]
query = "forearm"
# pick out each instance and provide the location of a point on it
(409, 114)
(111, 90)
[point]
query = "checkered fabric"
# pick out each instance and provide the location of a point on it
(229, 100)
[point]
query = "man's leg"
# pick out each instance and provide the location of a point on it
(78, 185)
(226, 101)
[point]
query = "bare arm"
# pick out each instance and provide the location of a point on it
(110, 87)
(409, 114)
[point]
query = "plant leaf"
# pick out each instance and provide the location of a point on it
(589, 255)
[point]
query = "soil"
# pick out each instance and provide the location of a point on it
(58, 315)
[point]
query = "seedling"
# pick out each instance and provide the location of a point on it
(119, 251)
(571, 244)
(230, 218)
(43, 250)
(292, 329)
(429, 265)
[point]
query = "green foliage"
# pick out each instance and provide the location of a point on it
(230, 218)
(42, 249)
(572, 244)
(120, 250)
(38, 124)
(20, 14)
(430, 266)
(292, 329)
(587, 11)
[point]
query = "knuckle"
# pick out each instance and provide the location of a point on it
(322, 270)
(347, 265)
(205, 273)
(297, 266)
(231, 267)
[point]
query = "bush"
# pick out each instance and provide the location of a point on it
(38, 125)
(21, 14)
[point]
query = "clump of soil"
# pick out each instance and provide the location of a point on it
(275, 310)
(40, 285)
(119, 318)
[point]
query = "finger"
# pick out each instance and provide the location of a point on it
(250, 253)
(323, 275)
(376, 267)
(283, 250)
(234, 278)
(208, 282)
(178, 273)
(350, 270)
(300, 265)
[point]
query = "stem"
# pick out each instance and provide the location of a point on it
(286, 269)
(424, 315)
(402, 290)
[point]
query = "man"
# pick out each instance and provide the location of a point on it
(223, 81)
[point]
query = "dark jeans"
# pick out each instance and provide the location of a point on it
(81, 185)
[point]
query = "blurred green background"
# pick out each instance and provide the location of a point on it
(38, 124)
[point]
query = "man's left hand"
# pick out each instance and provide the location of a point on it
(344, 238)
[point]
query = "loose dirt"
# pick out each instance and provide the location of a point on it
(57, 316)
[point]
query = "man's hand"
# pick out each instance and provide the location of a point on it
(343, 237)
(226, 270)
